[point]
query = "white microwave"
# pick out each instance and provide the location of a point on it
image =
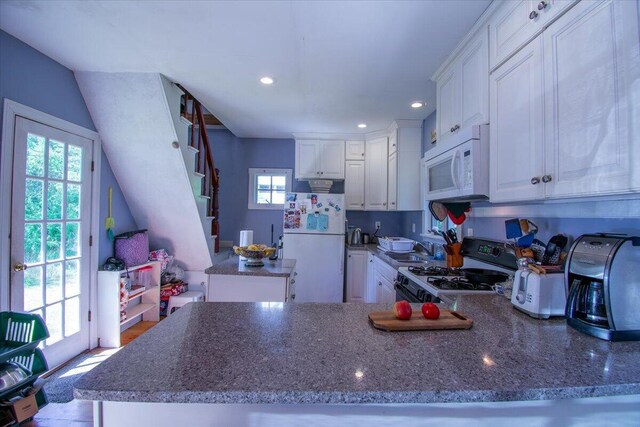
(458, 167)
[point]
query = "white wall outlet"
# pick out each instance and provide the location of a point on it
(470, 232)
(413, 228)
(377, 224)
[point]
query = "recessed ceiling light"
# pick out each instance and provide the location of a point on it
(417, 104)
(362, 125)
(266, 80)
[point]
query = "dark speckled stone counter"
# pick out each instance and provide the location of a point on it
(329, 353)
(233, 266)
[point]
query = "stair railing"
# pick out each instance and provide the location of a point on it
(205, 166)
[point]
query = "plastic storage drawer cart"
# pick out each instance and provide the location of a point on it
(20, 334)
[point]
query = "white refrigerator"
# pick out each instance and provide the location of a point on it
(314, 237)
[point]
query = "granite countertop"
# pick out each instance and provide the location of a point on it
(233, 266)
(329, 353)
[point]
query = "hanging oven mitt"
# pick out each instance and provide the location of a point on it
(438, 211)
(456, 211)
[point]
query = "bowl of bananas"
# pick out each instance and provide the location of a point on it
(254, 254)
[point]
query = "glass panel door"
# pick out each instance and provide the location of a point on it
(50, 232)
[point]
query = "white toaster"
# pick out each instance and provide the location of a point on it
(539, 296)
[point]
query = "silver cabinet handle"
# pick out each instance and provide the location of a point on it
(379, 283)
(533, 15)
(455, 128)
(349, 256)
(384, 204)
(361, 204)
(542, 5)
(535, 180)
(393, 203)
(546, 178)
(370, 260)
(452, 129)
(321, 173)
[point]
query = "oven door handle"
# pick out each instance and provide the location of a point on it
(401, 290)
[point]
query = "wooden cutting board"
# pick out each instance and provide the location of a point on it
(386, 321)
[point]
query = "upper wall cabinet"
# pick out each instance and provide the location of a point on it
(354, 185)
(354, 150)
(376, 174)
(563, 120)
(517, 22)
(403, 167)
(463, 88)
(319, 159)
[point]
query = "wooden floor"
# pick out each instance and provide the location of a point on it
(79, 413)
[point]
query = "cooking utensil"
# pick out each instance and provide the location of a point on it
(109, 222)
(445, 237)
(452, 235)
(554, 247)
(387, 321)
(538, 249)
(481, 275)
(438, 210)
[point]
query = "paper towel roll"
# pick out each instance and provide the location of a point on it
(246, 238)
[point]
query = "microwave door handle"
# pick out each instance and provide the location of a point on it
(454, 169)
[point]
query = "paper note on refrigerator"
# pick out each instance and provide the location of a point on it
(323, 222)
(312, 222)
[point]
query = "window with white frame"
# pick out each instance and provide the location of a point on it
(267, 187)
(432, 226)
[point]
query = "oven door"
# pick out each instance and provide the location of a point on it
(403, 294)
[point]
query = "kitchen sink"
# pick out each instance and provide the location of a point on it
(409, 258)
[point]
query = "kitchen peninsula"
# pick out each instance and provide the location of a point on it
(274, 363)
(233, 281)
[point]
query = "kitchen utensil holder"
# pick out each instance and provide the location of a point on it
(454, 259)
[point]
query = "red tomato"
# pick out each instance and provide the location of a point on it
(402, 310)
(430, 311)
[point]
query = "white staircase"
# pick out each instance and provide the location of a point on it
(138, 118)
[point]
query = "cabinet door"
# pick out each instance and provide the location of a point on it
(376, 175)
(510, 29)
(516, 90)
(371, 291)
(393, 142)
(354, 150)
(474, 82)
(356, 275)
(354, 185)
(331, 159)
(392, 185)
(306, 155)
(447, 102)
(386, 292)
(590, 99)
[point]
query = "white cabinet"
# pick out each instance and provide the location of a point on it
(354, 150)
(393, 143)
(403, 167)
(371, 288)
(354, 184)
(392, 182)
(144, 305)
(356, 275)
(385, 277)
(319, 159)
(517, 22)
(562, 121)
(243, 288)
(376, 174)
(516, 135)
(462, 89)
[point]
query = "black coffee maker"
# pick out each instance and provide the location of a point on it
(603, 278)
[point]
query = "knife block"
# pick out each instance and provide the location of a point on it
(454, 259)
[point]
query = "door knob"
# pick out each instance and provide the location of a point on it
(535, 180)
(546, 178)
(19, 267)
(542, 5)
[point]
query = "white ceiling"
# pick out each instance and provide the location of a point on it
(336, 64)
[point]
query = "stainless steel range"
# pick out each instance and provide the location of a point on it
(486, 262)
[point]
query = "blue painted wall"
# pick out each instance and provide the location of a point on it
(33, 79)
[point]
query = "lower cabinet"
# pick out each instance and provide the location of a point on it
(371, 288)
(384, 277)
(356, 275)
(242, 288)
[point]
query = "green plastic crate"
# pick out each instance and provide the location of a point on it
(35, 363)
(20, 332)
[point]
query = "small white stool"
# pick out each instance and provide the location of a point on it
(177, 301)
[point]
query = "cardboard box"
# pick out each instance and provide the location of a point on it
(24, 408)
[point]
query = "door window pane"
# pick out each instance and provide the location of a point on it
(72, 245)
(53, 319)
(54, 200)
(72, 316)
(32, 243)
(73, 201)
(54, 242)
(72, 278)
(54, 282)
(74, 164)
(33, 199)
(56, 159)
(33, 288)
(35, 155)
